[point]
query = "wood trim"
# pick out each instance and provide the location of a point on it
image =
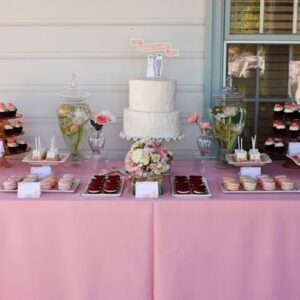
(100, 88)
(92, 55)
(105, 22)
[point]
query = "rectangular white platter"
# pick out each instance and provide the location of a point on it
(63, 158)
(103, 195)
(72, 190)
(191, 196)
(277, 191)
(294, 158)
(265, 159)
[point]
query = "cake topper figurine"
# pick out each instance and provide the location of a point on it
(158, 65)
(150, 67)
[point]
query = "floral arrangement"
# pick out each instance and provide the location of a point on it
(229, 122)
(194, 119)
(102, 118)
(72, 120)
(148, 157)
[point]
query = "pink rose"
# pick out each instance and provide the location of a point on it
(205, 125)
(193, 118)
(102, 119)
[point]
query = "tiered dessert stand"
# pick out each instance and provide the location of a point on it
(3, 161)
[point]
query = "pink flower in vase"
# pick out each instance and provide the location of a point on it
(205, 126)
(193, 118)
(104, 117)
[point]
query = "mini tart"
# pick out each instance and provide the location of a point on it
(9, 185)
(111, 188)
(94, 190)
(268, 185)
(64, 185)
(233, 186)
(287, 185)
(199, 190)
(249, 185)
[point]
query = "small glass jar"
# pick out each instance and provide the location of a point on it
(228, 117)
(73, 117)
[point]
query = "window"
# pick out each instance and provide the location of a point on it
(262, 54)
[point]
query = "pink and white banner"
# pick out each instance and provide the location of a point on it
(155, 47)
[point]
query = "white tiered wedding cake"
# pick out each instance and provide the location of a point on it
(151, 113)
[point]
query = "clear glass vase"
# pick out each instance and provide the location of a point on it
(73, 116)
(96, 141)
(228, 117)
(205, 142)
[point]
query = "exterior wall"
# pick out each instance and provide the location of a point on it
(43, 42)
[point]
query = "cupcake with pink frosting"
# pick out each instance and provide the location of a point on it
(278, 110)
(18, 127)
(294, 129)
(3, 110)
(11, 110)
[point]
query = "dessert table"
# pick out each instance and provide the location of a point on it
(229, 247)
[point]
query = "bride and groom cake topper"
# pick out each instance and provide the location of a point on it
(154, 66)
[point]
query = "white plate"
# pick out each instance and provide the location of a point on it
(277, 191)
(264, 159)
(103, 195)
(294, 159)
(72, 190)
(174, 194)
(63, 158)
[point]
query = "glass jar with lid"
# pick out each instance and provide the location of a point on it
(228, 117)
(73, 117)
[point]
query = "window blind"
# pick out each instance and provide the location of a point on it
(276, 16)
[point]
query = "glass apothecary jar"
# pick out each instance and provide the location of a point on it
(73, 117)
(228, 117)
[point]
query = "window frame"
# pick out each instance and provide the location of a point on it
(219, 37)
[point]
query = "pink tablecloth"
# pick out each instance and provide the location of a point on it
(228, 247)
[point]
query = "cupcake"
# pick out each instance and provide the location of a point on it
(279, 146)
(279, 128)
(290, 110)
(9, 129)
(11, 110)
(294, 129)
(12, 147)
(278, 110)
(3, 110)
(22, 145)
(269, 144)
(18, 127)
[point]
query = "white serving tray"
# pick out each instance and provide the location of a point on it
(259, 191)
(294, 159)
(191, 196)
(72, 190)
(264, 159)
(103, 195)
(63, 158)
